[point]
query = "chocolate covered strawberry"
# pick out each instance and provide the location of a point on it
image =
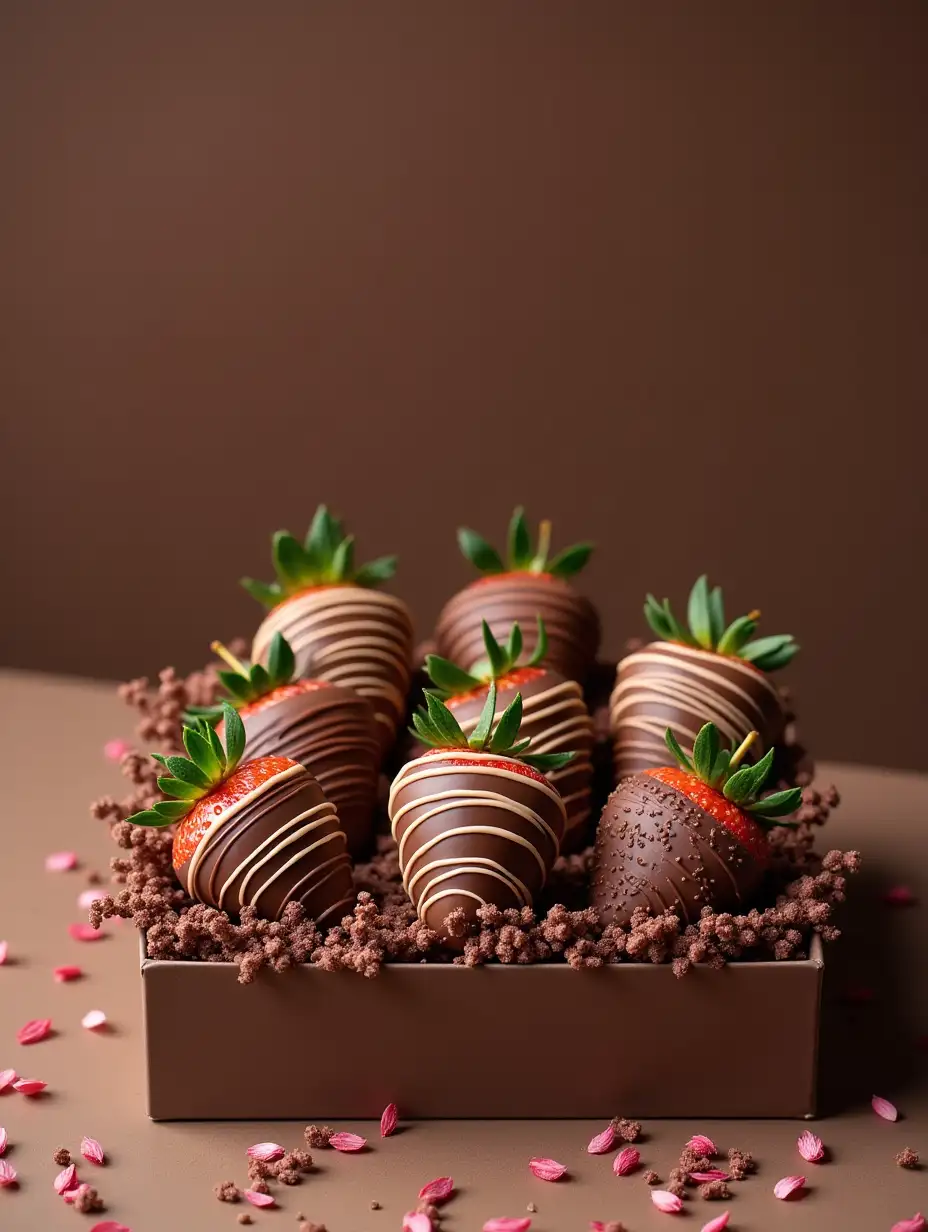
(329, 729)
(525, 585)
(689, 835)
(554, 715)
(341, 628)
(475, 818)
(258, 833)
(704, 670)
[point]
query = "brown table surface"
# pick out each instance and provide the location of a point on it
(160, 1176)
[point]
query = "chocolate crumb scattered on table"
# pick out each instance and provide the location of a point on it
(714, 1191)
(227, 1191)
(651, 1177)
(62, 1157)
(907, 1158)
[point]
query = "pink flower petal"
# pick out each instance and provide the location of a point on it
(714, 1225)
(882, 1107)
(115, 750)
(36, 1030)
(711, 1174)
(602, 1142)
(4, 1139)
(416, 1221)
(63, 974)
(61, 861)
(91, 1150)
(787, 1186)
(347, 1142)
(899, 896)
(267, 1152)
(810, 1147)
(915, 1224)
(669, 1203)
(7, 1174)
(66, 1179)
(7, 1078)
(29, 1086)
(110, 1225)
(93, 1020)
(4, 950)
(85, 932)
(388, 1120)
(257, 1199)
(546, 1169)
(87, 898)
(507, 1225)
(702, 1145)
(437, 1191)
(626, 1161)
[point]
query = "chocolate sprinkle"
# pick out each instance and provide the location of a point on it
(62, 1157)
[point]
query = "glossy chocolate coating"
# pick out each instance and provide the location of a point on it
(280, 844)
(473, 829)
(353, 636)
(570, 620)
(655, 848)
(668, 685)
(333, 733)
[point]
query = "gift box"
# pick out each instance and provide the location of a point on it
(448, 1041)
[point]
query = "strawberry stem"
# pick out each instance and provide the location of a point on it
(226, 654)
(738, 756)
(544, 545)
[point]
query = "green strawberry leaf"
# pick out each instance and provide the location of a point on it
(172, 810)
(268, 594)
(735, 636)
(280, 661)
(656, 617)
(201, 754)
(481, 732)
(520, 544)
(235, 736)
(570, 561)
(673, 744)
(495, 653)
(179, 789)
(716, 614)
(290, 562)
(514, 645)
(779, 804)
(705, 750)
(698, 615)
(508, 726)
(479, 552)
(448, 677)
(235, 684)
(546, 762)
(148, 817)
(444, 722)
(188, 772)
(343, 560)
(375, 571)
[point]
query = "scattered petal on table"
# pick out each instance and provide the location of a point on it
(439, 1190)
(93, 1020)
(347, 1142)
(7, 1078)
(91, 1150)
(87, 898)
(667, 1202)
(788, 1185)
(85, 932)
(417, 1221)
(810, 1147)
(546, 1169)
(626, 1161)
(702, 1145)
(267, 1152)
(115, 750)
(66, 1179)
(36, 1030)
(915, 1224)
(61, 861)
(29, 1086)
(110, 1225)
(258, 1199)
(711, 1174)
(603, 1142)
(7, 1174)
(4, 951)
(507, 1225)
(388, 1120)
(714, 1225)
(883, 1108)
(63, 974)
(4, 1139)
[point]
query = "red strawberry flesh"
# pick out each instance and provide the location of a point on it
(748, 833)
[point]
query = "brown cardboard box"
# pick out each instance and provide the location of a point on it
(446, 1041)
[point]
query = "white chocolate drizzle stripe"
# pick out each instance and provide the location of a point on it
(450, 802)
(485, 864)
(277, 843)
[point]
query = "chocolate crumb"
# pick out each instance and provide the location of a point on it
(289, 1176)
(651, 1177)
(375, 1205)
(244, 1217)
(261, 1187)
(227, 1191)
(532, 1208)
(429, 1209)
(714, 1191)
(740, 1164)
(628, 1131)
(907, 1158)
(677, 1188)
(318, 1136)
(299, 1160)
(62, 1157)
(87, 1201)
(312, 1227)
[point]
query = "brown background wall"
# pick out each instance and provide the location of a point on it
(658, 271)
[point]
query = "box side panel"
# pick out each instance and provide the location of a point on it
(493, 1042)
